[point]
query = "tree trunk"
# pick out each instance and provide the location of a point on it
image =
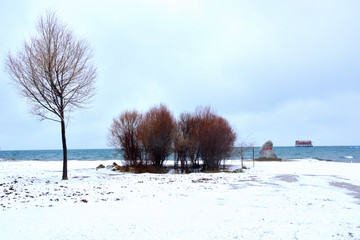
(64, 176)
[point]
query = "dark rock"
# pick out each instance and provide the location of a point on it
(100, 166)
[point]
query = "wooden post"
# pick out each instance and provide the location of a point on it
(253, 156)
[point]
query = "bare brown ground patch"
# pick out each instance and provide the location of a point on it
(354, 190)
(287, 178)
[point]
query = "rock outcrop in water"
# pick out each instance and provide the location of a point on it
(266, 152)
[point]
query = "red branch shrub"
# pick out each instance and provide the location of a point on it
(216, 138)
(186, 140)
(156, 134)
(123, 136)
(203, 135)
(151, 138)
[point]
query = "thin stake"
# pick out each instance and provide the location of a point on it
(253, 156)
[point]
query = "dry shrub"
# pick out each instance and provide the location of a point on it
(181, 142)
(123, 136)
(216, 138)
(147, 140)
(186, 140)
(203, 134)
(156, 134)
(147, 169)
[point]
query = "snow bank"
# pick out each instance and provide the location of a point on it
(273, 200)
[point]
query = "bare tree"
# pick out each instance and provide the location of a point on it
(123, 136)
(54, 72)
(242, 149)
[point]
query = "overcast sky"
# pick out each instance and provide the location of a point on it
(280, 70)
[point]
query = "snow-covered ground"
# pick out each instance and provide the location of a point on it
(273, 200)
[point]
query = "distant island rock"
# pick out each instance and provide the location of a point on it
(266, 152)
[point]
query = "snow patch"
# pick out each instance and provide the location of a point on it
(271, 200)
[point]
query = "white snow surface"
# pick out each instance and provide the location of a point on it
(272, 200)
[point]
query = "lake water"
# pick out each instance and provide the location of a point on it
(328, 153)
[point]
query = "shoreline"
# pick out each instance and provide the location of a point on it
(171, 160)
(331, 153)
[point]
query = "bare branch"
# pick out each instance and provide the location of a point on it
(53, 71)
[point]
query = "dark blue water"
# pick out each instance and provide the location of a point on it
(327, 153)
(334, 153)
(56, 155)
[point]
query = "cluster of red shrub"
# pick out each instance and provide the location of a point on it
(199, 139)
